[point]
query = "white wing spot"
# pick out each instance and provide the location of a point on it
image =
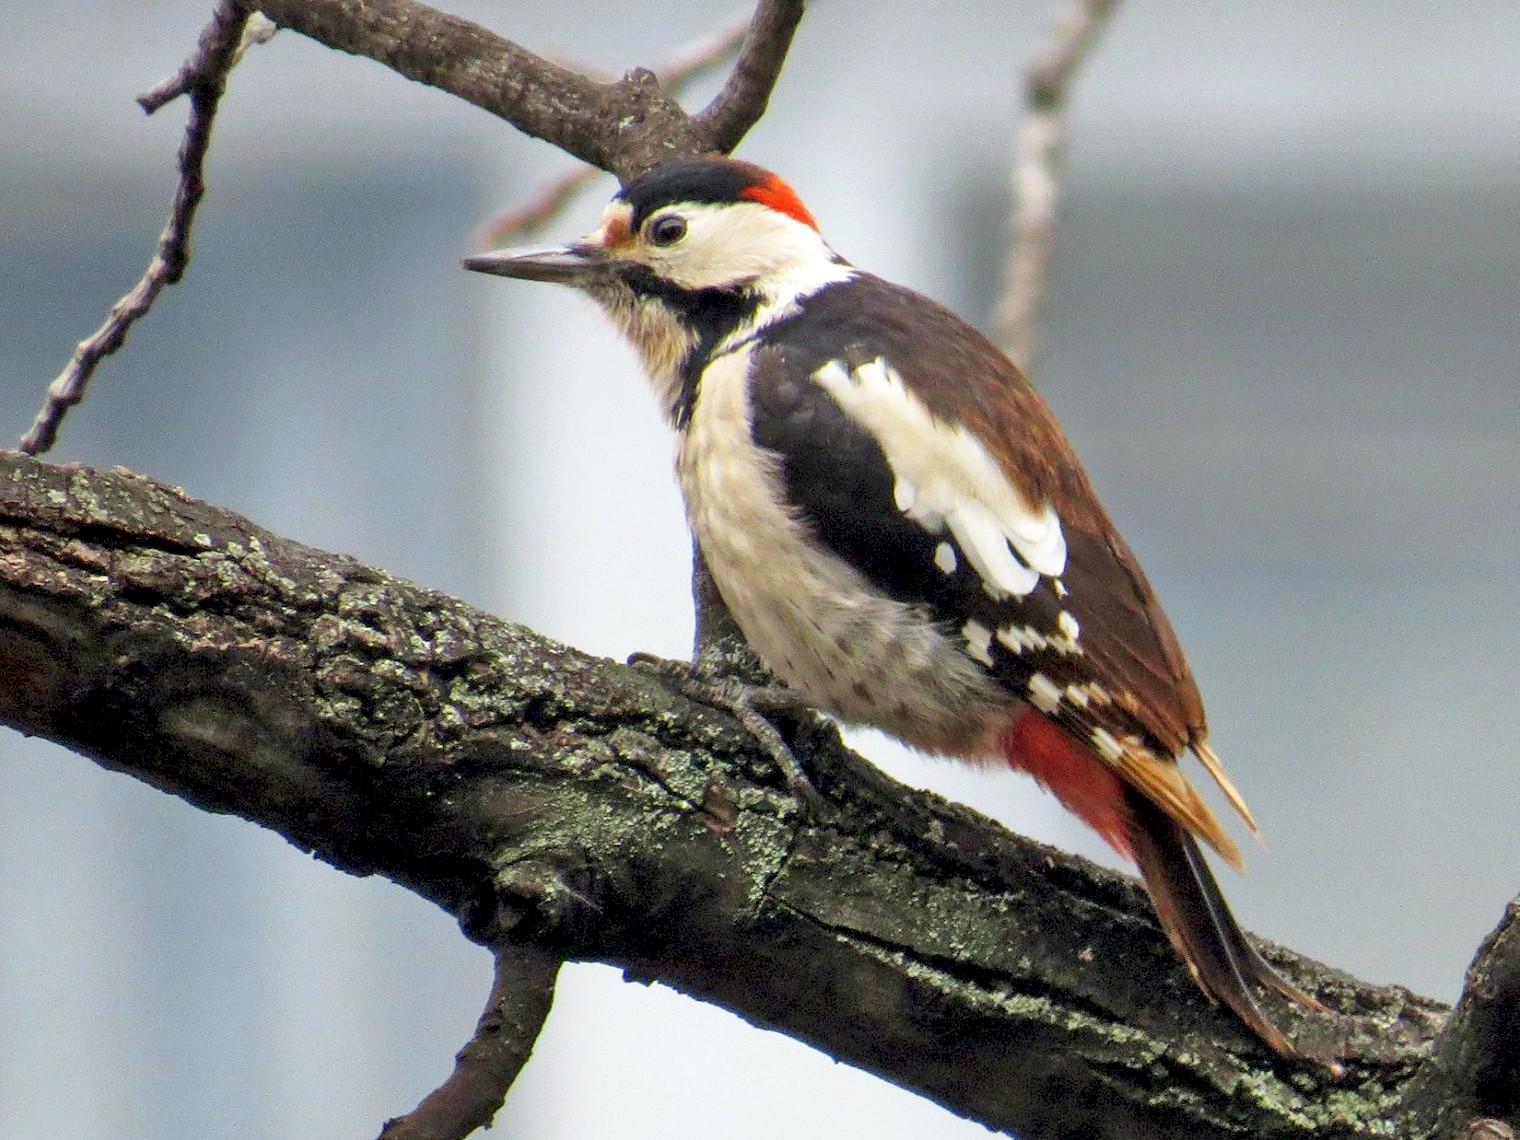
(1108, 748)
(944, 558)
(1019, 638)
(1068, 625)
(1061, 590)
(978, 641)
(1043, 693)
(1027, 639)
(1083, 694)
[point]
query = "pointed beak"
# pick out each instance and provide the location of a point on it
(581, 264)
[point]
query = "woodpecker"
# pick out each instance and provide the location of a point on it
(901, 530)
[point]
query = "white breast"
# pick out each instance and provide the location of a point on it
(814, 621)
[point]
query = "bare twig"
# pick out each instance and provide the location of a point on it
(488, 1064)
(527, 218)
(744, 97)
(694, 60)
(203, 76)
(1039, 162)
(257, 29)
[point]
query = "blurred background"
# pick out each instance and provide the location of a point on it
(1283, 334)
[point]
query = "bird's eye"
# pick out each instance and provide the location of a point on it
(667, 230)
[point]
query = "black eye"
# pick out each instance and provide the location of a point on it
(667, 230)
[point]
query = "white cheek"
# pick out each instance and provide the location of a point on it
(746, 244)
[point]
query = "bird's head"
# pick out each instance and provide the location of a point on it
(686, 255)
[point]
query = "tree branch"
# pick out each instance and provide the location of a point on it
(624, 127)
(738, 107)
(1039, 162)
(486, 1067)
(574, 805)
(203, 76)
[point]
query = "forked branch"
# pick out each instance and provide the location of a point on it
(624, 127)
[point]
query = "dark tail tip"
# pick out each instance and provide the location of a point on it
(1200, 926)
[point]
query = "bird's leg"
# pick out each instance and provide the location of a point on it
(747, 702)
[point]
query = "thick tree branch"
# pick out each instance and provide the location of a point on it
(575, 805)
(625, 127)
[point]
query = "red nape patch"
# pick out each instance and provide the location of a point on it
(779, 196)
(1076, 777)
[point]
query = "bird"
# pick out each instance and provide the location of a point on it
(903, 533)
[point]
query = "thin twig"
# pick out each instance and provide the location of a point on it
(1038, 165)
(258, 29)
(686, 65)
(527, 218)
(488, 1064)
(203, 77)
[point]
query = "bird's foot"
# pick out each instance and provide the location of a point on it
(747, 703)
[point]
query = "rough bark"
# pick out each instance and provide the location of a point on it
(625, 126)
(578, 806)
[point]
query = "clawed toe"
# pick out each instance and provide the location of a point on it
(748, 704)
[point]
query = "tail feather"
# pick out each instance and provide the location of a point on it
(1258, 968)
(1199, 924)
(1210, 760)
(1160, 839)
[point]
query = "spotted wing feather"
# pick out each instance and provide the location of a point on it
(1081, 636)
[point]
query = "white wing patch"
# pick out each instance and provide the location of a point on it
(978, 641)
(946, 480)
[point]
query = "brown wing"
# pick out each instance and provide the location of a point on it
(1120, 684)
